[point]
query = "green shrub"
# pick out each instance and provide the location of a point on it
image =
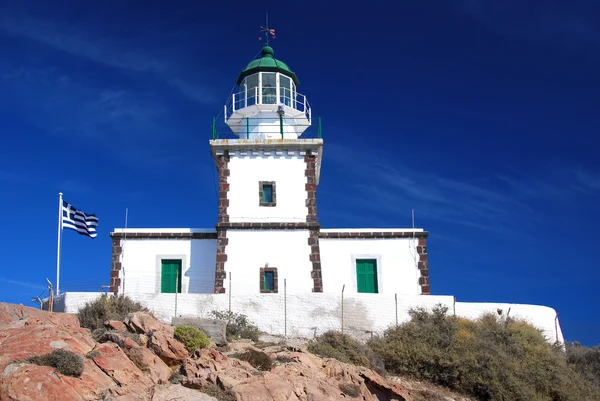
(238, 325)
(257, 359)
(491, 358)
(350, 389)
(107, 307)
(333, 344)
(191, 337)
(66, 362)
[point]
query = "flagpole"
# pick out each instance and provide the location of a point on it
(60, 205)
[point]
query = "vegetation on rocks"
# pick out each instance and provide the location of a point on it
(66, 362)
(333, 344)
(257, 359)
(491, 358)
(238, 325)
(107, 307)
(191, 337)
(222, 395)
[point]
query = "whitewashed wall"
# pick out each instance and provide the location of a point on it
(249, 250)
(396, 264)
(288, 174)
(307, 314)
(142, 267)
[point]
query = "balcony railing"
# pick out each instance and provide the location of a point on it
(254, 96)
(249, 125)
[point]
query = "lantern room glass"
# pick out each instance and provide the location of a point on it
(267, 88)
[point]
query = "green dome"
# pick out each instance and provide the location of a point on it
(267, 63)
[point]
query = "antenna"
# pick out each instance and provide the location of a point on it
(413, 219)
(267, 31)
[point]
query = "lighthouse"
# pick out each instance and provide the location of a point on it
(267, 229)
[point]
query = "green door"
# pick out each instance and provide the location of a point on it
(366, 275)
(170, 276)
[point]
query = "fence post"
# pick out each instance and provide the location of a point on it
(51, 297)
(229, 293)
(343, 287)
(454, 304)
(396, 297)
(176, 289)
(285, 309)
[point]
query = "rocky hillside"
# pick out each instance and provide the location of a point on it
(139, 359)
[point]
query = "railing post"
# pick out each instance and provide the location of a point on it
(281, 124)
(319, 132)
(247, 128)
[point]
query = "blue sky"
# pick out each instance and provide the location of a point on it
(481, 116)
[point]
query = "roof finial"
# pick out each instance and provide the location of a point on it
(267, 31)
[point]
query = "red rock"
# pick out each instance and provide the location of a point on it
(115, 325)
(144, 323)
(115, 364)
(10, 314)
(171, 351)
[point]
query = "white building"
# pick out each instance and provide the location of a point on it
(268, 228)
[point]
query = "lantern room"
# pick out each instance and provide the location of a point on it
(267, 104)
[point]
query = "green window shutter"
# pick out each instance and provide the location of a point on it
(170, 276)
(366, 276)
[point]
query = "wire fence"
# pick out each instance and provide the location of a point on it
(289, 313)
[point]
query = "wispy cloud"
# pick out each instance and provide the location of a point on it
(95, 47)
(494, 203)
(38, 287)
(567, 22)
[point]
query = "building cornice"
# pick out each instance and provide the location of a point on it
(372, 234)
(164, 235)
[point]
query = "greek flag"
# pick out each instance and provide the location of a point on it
(84, 224)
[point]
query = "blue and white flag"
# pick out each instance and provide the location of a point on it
(84, 224)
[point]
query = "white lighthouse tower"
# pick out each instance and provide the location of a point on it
(267, 228)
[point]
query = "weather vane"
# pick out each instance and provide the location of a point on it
(267, 31)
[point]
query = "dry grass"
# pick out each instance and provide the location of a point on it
(257, 359)
(66, 362)
(333, 344)
(107, 307)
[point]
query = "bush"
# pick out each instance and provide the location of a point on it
(333, 344)
(585, 360)
(350, 389)
(491, 358)
(238, 325)
(66, 362)
(107, 307)
(191, 337)
(257, 359)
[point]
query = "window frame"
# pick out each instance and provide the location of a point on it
(261, 186)
(263, 271)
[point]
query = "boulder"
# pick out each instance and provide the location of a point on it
(171, 351)
(115, 325)
(144, 323)
(114, 363)
(215, 329)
